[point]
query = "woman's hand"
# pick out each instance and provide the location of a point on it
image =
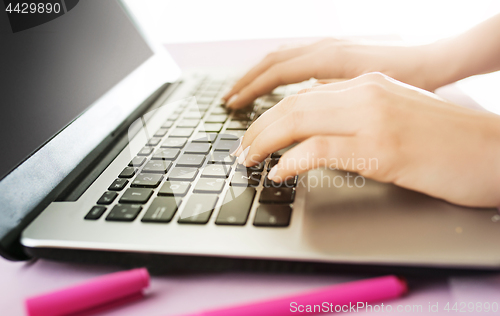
(421, 66)
(410, 137)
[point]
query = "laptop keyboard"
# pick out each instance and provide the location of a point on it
(186, 167)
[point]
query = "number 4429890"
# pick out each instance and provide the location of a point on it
(471, 307)
(33, 8)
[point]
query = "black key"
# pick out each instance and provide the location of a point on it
(273, 162)
(146, 151)
(135, 195)
(206, 185)
(236, 206)
(174, 188)
(124, 213)
(182, 132)
(162, 210)
(237, 125)
(118, 185)
(224, 145)
(245, 179)
(197, 148)
(216, 171)
(188, 160)
(258, 167)
(161, 132)
(157, 166)
(198, 209)
(288, 183)
(147, 180)
(277, 195)
(269, 215)
(154, 141)
(182, 174)
(174, 142)
(211, 127)
(137, 162)
(107, 197)
(205, 137)
(188, 123)
(220, 118)
(166, 154)
(232, 135)
(95, 212)
(241, 116)
(221, 157)
(167, 124)
(128, 172)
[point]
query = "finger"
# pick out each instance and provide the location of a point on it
(314, 101)
(335, 152)
(268, 61)
(293, 70)
(296, 126)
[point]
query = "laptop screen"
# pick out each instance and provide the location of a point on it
(50, 73)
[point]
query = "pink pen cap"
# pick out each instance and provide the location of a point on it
(98, 292)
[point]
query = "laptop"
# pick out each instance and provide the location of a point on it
(111, 154)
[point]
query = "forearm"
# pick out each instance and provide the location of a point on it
(476, 51)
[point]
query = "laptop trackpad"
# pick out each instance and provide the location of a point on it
(375, 220)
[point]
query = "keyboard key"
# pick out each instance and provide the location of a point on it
(193, 115)
(277, 195)
(198, 209)
(161, 132)
(221, 157)
(219, 110)
(236, 206)
(137, 162)
(107, 197)
(162, 210)
(95, 212)
(157, 166)
(237, 125)
(197, 148)
(232, 135)
(242, 116)
(288, 183)
(118, 185)
(272, 215)
(188, 160)
(154, 141)
(172, 117)
(204, 100)
(199, 107)
(135, 195)
(128, 172)
(181, 132)
(174, 142)
(220, 118)
(216, 171)
(204, 138)
(188, 123)
(224, 145)
(205, 185)
(273, 162)
(182, 174)
(166, 154)
(147, 180)
(174, 188)
(245, 179)
(124, 213)
(211, 127)
(258, 167)
(146, 151)
(167, 124)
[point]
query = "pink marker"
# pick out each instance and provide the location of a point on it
(357, 294)
(109, 289)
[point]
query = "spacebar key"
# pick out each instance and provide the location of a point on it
(236, 206)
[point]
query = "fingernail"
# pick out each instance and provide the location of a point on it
(243, 155)
(232, 100)
(272, 172)
(236, 146)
